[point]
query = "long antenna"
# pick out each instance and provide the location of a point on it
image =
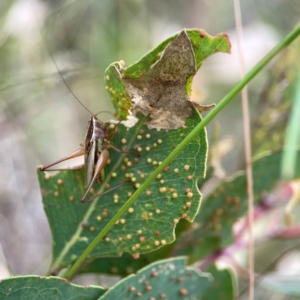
(65, 82)
(59, 71)
(104, 111)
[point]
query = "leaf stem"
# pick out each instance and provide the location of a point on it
(249, 76)
(292, 138)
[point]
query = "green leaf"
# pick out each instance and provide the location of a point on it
(150, 222)
(167, 279)
(222, 287)
(127, 264)
(202, 46)
(39, 287)
(212, 229)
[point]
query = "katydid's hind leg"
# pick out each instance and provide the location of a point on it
(101, 163)
(75, 168)
(107, 191)
(109, 136)
(76, 153)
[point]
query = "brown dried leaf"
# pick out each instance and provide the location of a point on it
(161, 92)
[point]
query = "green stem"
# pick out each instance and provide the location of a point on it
(249, 76)
(292, 137)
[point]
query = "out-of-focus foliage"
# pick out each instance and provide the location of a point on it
(274, 106)
(40, 120)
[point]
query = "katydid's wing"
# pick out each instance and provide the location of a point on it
(89, 160)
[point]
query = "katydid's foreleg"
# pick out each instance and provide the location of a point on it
(115, 148)
(121, 151)
(74, 154)
(114, 132)
(101, 163)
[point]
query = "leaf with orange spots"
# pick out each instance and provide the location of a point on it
(150, 223)
(127, 264)
(167, 279)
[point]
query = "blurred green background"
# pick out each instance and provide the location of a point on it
(40, 121)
